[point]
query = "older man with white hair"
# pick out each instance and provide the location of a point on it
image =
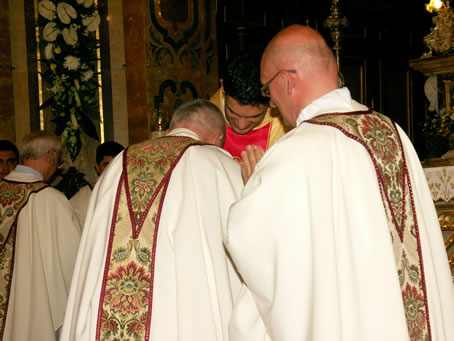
(40, 235)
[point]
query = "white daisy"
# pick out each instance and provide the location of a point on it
(71, 63)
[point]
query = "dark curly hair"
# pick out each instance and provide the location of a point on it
(7, 146)
(241, 80)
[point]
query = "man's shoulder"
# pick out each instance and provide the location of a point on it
(209, 152)
(82, 194)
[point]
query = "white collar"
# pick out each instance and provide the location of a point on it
(183, 132)
(28, 170)
(338, 100)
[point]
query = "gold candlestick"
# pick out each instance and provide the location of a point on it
(336, 23)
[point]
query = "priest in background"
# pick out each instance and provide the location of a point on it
(249, 119)
(40, 235)
(105, 153)
(152, 264)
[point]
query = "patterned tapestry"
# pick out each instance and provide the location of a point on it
(181, 52)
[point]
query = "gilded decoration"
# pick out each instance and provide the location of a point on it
(441, 37)
(181, 52)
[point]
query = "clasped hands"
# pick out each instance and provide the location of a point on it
(250, 157)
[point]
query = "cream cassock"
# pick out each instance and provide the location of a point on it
(310, 239)
(195, 285)
(47, 240)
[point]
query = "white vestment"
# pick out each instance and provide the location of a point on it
(47, 240)
(311, 241)
(194, 284)
(79, 202)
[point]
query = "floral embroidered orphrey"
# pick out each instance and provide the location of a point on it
(126, 298)
(379, 135)
(13, 197)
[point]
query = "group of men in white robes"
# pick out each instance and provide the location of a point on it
(333, 237)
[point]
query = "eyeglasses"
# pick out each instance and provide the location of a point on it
(265, 89)
(60, 161)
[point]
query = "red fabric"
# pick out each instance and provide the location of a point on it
(236, 143)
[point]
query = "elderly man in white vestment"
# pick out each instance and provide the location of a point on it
(40, 236)
(346, 241)
(152, 265)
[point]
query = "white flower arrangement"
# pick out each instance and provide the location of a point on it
(69, 45)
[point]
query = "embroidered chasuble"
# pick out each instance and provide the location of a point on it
(379, 136)
(126, 301)
(13, 197)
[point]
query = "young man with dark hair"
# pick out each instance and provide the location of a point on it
(9, 157)
(105, 153)
(250, 120)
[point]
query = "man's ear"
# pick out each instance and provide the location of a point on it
(97, 168)
(218, 140)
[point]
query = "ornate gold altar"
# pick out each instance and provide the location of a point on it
(440, 171)
(440, 177)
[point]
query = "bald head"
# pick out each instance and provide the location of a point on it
(301, 49)
(203, 118)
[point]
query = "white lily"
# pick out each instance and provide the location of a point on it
(50, 31)
(70, 35)
(49, 51)
(47, 9)
(92, 22)
(88, 3)
(65, 12)
(86, 75)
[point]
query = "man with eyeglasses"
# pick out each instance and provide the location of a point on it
(40, 236)
(250, 120)
(9, 157)
(336, 234)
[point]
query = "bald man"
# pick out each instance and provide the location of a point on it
(346, 241)
(152, 264)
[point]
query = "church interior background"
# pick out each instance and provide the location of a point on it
(156, 54)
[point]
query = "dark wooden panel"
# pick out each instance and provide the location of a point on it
(136, 71)
(7, 120)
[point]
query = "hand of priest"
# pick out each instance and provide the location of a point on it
(251, 156)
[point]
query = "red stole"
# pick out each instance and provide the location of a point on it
(236, 143)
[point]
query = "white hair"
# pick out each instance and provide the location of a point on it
(36, 144)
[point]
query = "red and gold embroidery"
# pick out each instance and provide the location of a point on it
(379, 135)
(127, 292)
(13, 197)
